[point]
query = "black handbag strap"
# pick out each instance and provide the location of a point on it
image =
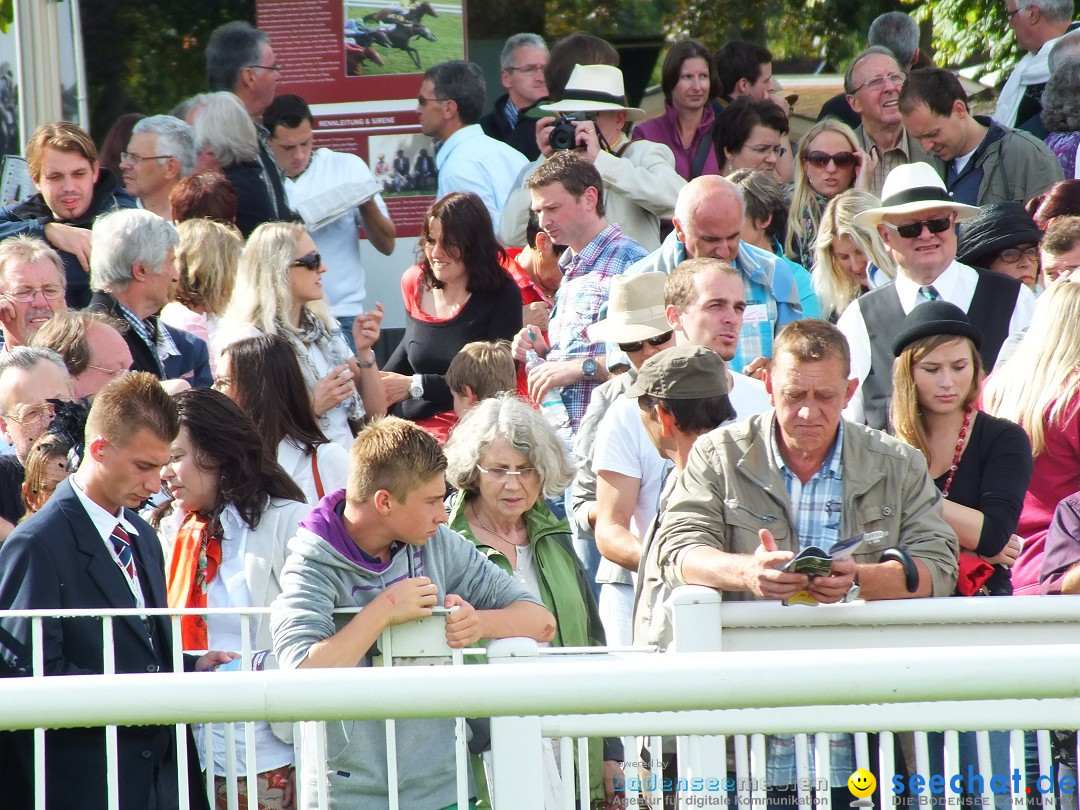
(702, 153)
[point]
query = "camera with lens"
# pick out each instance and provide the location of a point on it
(564, 133)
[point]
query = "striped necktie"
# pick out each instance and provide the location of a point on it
(121, 542)
(929, 293)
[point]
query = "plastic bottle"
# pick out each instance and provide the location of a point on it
(552, 406)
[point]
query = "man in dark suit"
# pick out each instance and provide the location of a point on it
(131, 272)
(87, 548)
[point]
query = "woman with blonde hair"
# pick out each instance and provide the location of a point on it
(1038, 388)
(206, 261)
(849, 259)
(830, 162)
(279, 291)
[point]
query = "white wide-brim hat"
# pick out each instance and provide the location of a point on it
(910, 188)
(635, 310)
(594, 88)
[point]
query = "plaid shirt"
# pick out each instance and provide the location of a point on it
(816, 506)
(580, 301)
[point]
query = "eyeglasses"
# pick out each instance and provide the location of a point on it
(638, 345)
(112, 372)
(527, 70)
(222, 382)
(34, 415)
(131, 157)
(878, 82)
(1012, 255)
(765, 148)
(312, 261)
(842, 160)
(423, 100)
(503, 473)
(914, 229)
(1010, 14)
(274, 67)
(24, 295)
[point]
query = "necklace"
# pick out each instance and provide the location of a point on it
(956, 455)
(485, 527)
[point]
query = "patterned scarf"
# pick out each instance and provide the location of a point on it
(313, 331)
(195, 560)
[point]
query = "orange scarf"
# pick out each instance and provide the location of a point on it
(195, 561)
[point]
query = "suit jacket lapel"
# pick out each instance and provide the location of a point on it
(101, 568)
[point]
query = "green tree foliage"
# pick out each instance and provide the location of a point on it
(970, 32)
(146, 56)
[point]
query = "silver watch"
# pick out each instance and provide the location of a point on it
(416, 387)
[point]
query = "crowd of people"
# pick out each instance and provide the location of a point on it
(637, 354)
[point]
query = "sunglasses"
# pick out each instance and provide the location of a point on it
(821, 159)
(312, 261)
(913, 229)
(638, 345)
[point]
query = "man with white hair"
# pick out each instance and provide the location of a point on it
(160, 152)
(131, 271)
(31, 288)
(29, 379)
(1038, 25)
(523, 59)
(708, 224)
(917, 223)
(226, 141)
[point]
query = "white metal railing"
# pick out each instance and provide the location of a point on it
(839, 679)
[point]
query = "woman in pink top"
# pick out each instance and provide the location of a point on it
(690, 84)
(1038, 387)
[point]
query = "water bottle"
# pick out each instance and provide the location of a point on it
(552, 406)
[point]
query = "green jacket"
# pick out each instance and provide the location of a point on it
(564, 590)
(563, 587)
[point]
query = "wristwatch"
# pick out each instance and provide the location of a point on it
(416, 387)
(589, 367)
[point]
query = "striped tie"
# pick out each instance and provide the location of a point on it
(929, 293)
(121, 542)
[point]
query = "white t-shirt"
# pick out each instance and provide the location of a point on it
(748, 396)
(338, 241)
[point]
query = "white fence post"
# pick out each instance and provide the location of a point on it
(696, 621)
(516, 742)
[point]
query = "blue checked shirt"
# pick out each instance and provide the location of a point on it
(816, 507)
(580, 301)
(817, 504)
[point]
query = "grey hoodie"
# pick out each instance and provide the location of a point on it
(318, 579)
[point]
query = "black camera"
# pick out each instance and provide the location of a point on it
(564, 133)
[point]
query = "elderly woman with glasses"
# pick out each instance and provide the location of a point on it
(830, 162)
(1005, 239)
(501, 458)
(279, 291)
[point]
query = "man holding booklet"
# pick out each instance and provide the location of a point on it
(757, 493)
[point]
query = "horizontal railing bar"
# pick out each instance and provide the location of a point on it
(706, 681)
(971, 610)
(968, 715)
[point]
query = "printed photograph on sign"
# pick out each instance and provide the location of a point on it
(404, 165)
(386, 39)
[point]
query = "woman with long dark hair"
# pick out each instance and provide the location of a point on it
(262, 376)
(457, 292)
(237, 511)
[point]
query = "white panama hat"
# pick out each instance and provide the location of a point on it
(594, 88)
(913, 187)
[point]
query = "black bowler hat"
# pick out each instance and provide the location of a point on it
(934, 318)
(998, 226)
